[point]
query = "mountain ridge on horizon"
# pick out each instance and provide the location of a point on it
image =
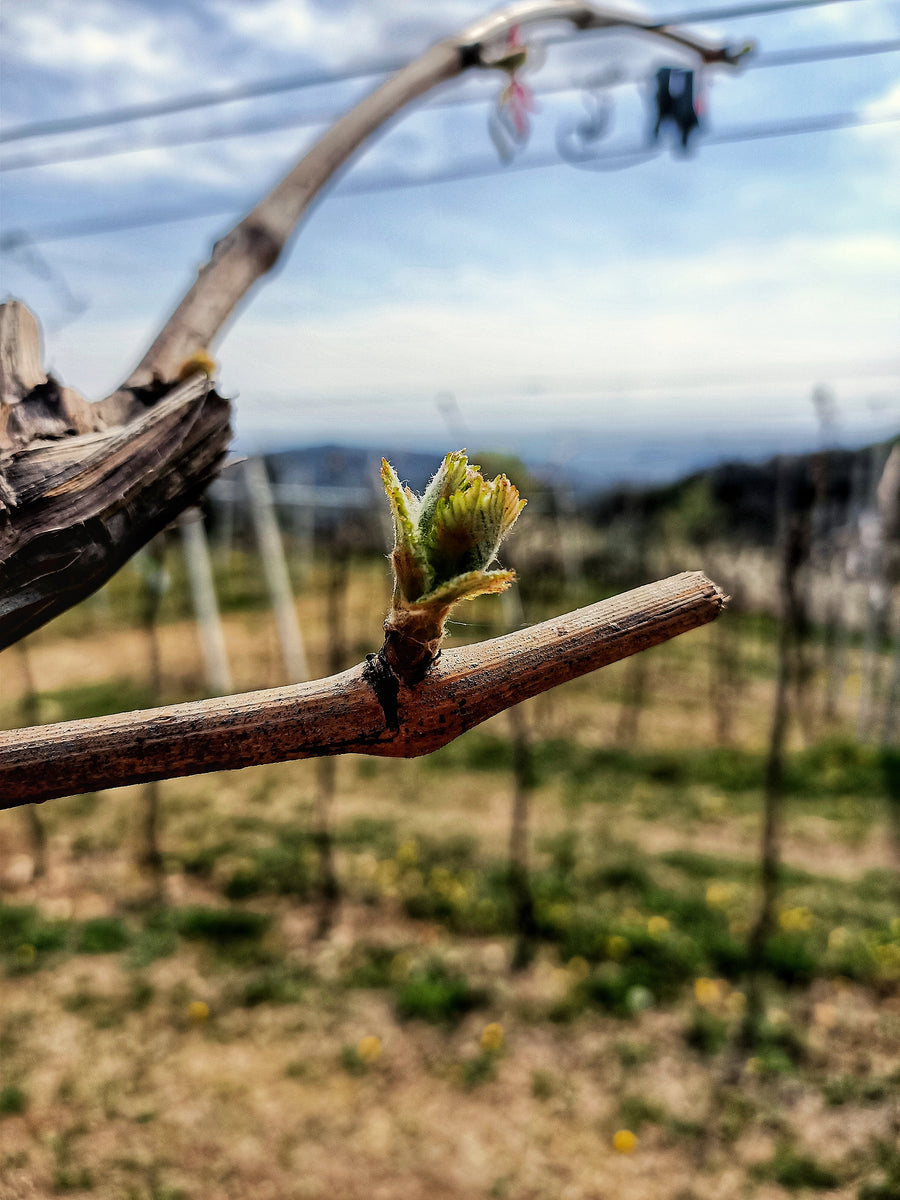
(621, 462)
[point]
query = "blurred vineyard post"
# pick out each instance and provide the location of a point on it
(519, 835)
(329, 892)
(275, 569)
(154, 583)
(635, 681)
(888, 570)
(793, 541)
(270, 546)
(206, 606)
(726, 676)
(31, 715)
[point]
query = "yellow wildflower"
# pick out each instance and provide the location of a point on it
(400, 965)
(368, 1048)
(709, 992)
(439, 879)
(736, 1002)
(657, 927)
(718, 894)
(387, 872)
(617, 947)
(408, 853)
(624, 1141)
(491, 1040)
(198, 1011)
(795, 920)
(560, 913)
(887, 959)
(713, 806)
(386, 878)
(837, 937)
(561, 979)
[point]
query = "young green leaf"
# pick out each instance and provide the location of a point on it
(444, 543)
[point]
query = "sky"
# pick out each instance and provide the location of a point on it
(628, 320)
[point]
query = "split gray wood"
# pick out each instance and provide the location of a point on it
(74, 509)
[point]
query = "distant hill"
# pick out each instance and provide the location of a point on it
(740, 493)
(743, 495)
(349, 466)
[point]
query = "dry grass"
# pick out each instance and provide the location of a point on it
(128, 1091)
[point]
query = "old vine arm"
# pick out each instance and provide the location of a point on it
(253, 247)
(351, 712)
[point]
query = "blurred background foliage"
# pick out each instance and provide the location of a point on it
(584, 878)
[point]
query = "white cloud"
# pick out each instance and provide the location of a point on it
(759, 311)
(759, 314)
(856, 21)
(342, 33)
(884, 138)
(280, 22)
(885, 105)
(112, 50)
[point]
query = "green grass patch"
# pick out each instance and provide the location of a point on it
(121, 694)
(777, 1049)
(372, 965)
(477, 1070)
(201, 861)
(637, 1111)
(280, 983)
(670, 918)
(797, 1172)
(157, 939)
(104, 935)
(106, 1010)
(886, 1186)
(706, 1032)
(285, 869)
(27, 941)
(230, 932)
(833, 769)
(220, 925)
(856, 1089)
(368, 833)
(13, 1100)
(436, 994)
(543, 1084)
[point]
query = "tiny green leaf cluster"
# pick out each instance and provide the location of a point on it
(447, 538)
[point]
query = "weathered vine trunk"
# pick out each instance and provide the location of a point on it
(79, 497)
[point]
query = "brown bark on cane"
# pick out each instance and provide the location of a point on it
(346, 713)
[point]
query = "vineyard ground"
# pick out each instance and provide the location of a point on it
(192, 1039)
